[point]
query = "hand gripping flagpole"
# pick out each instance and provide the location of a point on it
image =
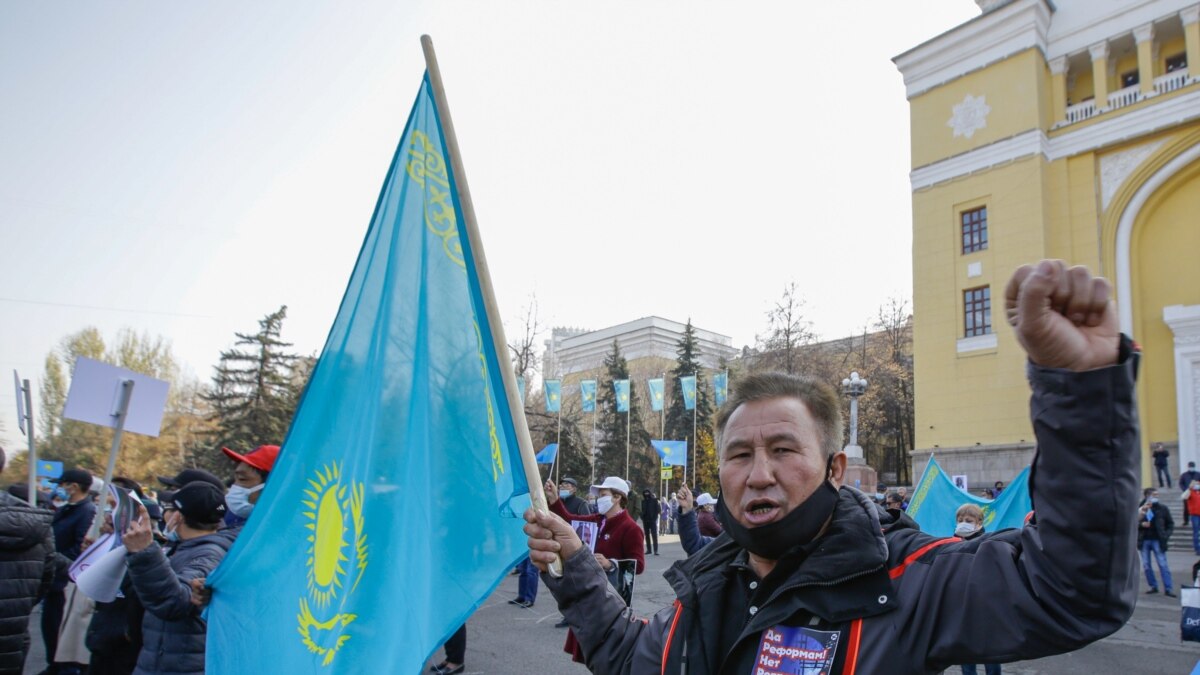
(528, 458)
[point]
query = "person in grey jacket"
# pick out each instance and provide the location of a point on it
(813, 574)
(172, 631)
(26, 572)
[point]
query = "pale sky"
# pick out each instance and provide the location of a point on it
(185, 168)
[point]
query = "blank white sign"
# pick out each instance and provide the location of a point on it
(95, 396)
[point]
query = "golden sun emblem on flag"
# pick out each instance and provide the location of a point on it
(334, 563)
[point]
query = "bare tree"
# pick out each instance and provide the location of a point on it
(787, 332)
(524, 345)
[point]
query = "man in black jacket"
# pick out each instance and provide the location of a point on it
(71, 524)
(173, 634)
(812, 574)
(650, 514)
(1155, 526)
(26, 570)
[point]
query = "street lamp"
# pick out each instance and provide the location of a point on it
(854, 386)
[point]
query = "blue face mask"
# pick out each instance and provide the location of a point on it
(60, 493)
(1154, 500)
(564, 493)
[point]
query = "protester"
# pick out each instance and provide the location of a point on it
(456, 654)
(617, 538)
(968, 525)
(689, 528)
(1192, 504)
(1186, 478)
(881, 491)
(190, 476)
(808, 569)
(26, 571)
(114, 635)
(893, 504)
(650, 511)
(1160, 455)
(172, 630)
(674, 515)
(567, 488)
(1155, 526)
(705, 517)
(250, 473)
(997, 489)
(903, 492)
(72, 521)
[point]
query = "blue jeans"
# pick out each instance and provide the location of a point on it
(988, 669)
(527, 582)
(1151, 546)
(1196, 533)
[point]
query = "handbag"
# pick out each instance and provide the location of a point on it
(1189, 622)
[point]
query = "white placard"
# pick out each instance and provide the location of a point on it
(960, 482)
(20, 401)
(95, 395)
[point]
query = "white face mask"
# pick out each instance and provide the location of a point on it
(603, 504)
(238, 499)
(964, 528)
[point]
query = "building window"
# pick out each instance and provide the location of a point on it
(1129, 79)
(977, 311)
(974, 230)
(1177, 62)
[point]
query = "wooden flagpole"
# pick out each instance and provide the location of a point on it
(528, 458)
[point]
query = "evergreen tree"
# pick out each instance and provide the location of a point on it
(679, 418)
(643, 461)
(254, 390)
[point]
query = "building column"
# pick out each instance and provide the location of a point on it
(1099, 52)
(1144, 35)
(1191, 34)
(1058, 89)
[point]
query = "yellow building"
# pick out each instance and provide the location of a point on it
(1066, 129)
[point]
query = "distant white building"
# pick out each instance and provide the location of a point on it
(575, 350)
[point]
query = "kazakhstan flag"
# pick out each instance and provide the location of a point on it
(936, 498)
(673, 453)
(721, 387)
(656, 393)
(621, 389)
(587, 394)
(553, 395)
(392, 512)
(688, 385)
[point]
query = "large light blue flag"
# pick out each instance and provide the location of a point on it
(587, 395)
(673, 453)
(656, 387)
(553, 390)
(547, 454)
(621, 389)
(721, 387)
(688, 385)
(393, 510)
(936, 498)
(521, 388)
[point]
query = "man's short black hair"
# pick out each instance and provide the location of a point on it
(1149, 491)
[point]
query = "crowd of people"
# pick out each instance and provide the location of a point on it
(178, 535)
(788, 569)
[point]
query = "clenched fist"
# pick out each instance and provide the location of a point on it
(1064, 318)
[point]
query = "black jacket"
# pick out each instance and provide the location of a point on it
(172, 630)
(71, 525)
(26, 570)
(1160, 525)
(901, 601)
(577, 506)
(651, 509)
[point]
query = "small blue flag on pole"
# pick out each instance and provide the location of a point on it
(673, 453)
(721, 387)
(49, 469)
(547, 454)
(936, 498)
(688, 385)
(393, 510)
(587, 395)
(656, 393)
(521, 388)
(553, 395)
(621, 389)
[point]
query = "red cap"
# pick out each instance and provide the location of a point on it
(262, 458)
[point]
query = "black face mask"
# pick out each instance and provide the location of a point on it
(797, 528)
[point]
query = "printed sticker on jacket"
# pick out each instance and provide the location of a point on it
(795, 650)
